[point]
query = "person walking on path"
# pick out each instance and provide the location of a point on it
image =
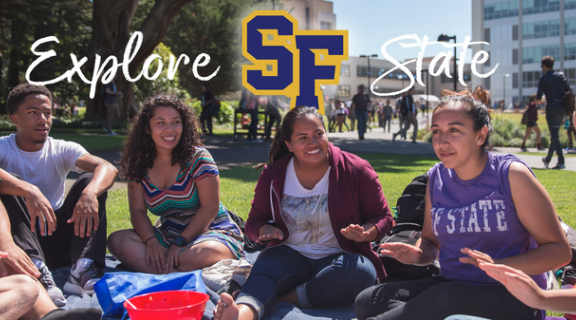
(532, 111)
(553, 85)
(111, 102)
(387, 112)
(360, 103)
(409, 112)
(253, 102)
(274, 116)
(351, 115)
(330, 114)
(569, 126)
(399, 112)
(207, 99)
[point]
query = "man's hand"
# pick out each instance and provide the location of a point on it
(39, 207)
(18, 260)
(85, 215)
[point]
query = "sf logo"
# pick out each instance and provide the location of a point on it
(290, 62)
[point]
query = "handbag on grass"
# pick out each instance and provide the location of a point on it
(115, 287)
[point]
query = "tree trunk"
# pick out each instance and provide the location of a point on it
(110, 34)
(15, 54)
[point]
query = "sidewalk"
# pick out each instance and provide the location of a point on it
(229, 153)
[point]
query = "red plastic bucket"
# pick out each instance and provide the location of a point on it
(183, 305)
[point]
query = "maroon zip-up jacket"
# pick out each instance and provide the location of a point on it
(354, 197)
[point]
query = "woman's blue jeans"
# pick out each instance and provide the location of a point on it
(321, 283)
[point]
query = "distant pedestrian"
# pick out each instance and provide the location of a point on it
(330, 114)
(206, 100)
(553, 85)
(340, 114)
(387, 113)
(274, 117)
(409, 111)
(532, 111)
(252, 105)
(360, 103)
(569, 125)
(351, 114)
(111, 102)
(399, 112)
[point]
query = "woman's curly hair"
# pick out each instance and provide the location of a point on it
(140, 151)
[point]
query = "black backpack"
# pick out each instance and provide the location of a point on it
(397, 271)
(568, 100)
(410, 205)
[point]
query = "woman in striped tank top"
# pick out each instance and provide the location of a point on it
(171, 175)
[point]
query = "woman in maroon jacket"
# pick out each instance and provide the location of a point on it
(318, 208)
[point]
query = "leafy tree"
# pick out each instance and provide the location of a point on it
(144, 88)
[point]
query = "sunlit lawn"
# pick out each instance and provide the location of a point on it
(394, 172)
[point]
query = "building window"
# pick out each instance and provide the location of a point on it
(343, 91)
(530, 79)
(515, 32)
(499, 10)
(515, 80)
(487, 83)
(467, 77)
(487, 34)
(362, 71)
(345, 70)
(488, 61)
(540, 6)
(535, 54)
(569, 4)
(325, 26)
(570, 76)
(570, 26)
(570, 51)
(541, 29)
(514, 56)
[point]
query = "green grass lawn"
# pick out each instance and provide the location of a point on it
(394, 172)
(517, 117)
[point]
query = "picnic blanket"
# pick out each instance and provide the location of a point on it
(280, 310)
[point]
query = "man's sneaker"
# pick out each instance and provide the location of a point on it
(83, 275)
(523, 149)
(393, 137)
(47, 281)
(546, 163)
(560, 166)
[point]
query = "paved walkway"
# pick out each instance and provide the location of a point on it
(230, 153)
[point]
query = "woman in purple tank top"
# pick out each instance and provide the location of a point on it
(481, 208)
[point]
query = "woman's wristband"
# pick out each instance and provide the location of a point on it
(152, 237)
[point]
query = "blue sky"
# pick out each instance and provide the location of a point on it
(373, 22)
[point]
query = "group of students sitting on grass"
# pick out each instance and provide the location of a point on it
(488, 220)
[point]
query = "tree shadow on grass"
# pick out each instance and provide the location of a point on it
(388, 163)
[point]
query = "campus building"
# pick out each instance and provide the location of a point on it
(520, 33)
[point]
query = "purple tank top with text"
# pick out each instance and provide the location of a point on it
(478, 214)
